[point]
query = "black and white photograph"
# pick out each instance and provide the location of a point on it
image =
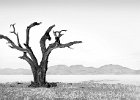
(69, 49)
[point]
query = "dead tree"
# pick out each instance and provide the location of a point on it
(38, 69)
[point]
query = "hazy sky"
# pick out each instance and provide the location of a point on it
(109, 29)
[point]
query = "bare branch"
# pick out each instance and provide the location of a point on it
(30, 52)
(26, 58)
(57, 36)
(56, 45)
(68, 44)
(18, 41)
(14, 32)
(28, 31)
(13, 45)
(59, 33)
(44, 38)
(57, 40)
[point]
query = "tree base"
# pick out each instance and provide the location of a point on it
(46, 85)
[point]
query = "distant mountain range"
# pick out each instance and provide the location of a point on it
(75, 70)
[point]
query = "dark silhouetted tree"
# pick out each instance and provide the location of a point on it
(38, 69)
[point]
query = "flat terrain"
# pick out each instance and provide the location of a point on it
(70, 91)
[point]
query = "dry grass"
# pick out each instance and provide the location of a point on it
(70, 91)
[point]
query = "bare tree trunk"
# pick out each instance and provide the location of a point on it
(39, 76)
(38, 70)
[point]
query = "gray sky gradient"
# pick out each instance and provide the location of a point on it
(109, 29)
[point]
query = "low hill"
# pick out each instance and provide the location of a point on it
(20, 71)
(75, 70)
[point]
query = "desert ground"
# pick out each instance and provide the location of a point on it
(88, 90)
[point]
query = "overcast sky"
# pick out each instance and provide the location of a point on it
(109, 29)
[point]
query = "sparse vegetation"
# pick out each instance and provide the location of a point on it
(70, 91)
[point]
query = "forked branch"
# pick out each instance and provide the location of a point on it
(58, 36)
(59, 33)
(44, 38)
(14, 32)
(30, 52)
(26, 58)
(56, 45)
